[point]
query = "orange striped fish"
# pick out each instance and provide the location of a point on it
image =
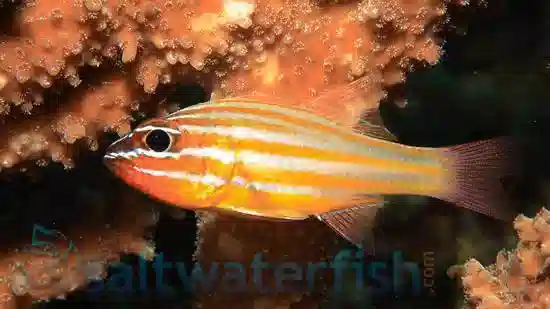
(277, 159)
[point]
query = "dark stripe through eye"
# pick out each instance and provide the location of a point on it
(158, 140)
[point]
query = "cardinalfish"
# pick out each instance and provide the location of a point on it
(266, 157)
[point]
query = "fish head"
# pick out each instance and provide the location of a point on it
(149, 160)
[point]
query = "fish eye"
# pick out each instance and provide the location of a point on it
(158, 140)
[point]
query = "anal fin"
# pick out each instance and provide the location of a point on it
(355, 223)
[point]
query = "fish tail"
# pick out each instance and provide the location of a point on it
(475, 173)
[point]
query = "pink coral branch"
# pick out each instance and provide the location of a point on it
(519, 278)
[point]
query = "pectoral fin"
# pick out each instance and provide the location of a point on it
(355, 224)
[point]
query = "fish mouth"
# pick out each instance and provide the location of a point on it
(116, 163)
(118, 155)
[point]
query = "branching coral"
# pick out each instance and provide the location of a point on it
(52, 263)
(104, 59)
(518, 279)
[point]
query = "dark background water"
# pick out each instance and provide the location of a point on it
(493, 80)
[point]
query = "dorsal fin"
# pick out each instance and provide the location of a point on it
(348, 105)
(345, 105)
(372, 124)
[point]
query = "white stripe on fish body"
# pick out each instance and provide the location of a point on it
(151, 128)
(266, 187)
(224, 156)
(207, 179)
(301, 140)
(323, 142)
(256, 159)
(241, 116)
(137, 152)
(283, 111)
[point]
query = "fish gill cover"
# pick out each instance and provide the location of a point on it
(72, 70)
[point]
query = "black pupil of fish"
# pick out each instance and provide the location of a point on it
(158, 140)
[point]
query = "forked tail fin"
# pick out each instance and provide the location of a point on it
(475, 173)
